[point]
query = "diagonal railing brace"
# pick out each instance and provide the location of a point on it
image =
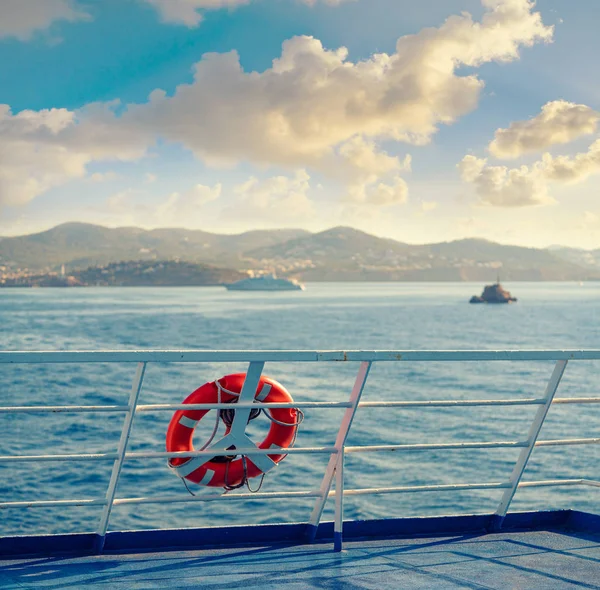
(342, 435)
(532, 436)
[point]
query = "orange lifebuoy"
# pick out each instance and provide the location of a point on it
(229, 472)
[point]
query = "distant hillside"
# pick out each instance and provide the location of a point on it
(79, 245)
(589, 259)
(346, 254)
(340, 245)
(136, 273)
(337, 254)
(157, 273)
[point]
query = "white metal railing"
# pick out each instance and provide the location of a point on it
(335, 466)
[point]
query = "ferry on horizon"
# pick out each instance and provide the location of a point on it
(267, 282)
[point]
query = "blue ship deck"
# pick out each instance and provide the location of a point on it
(536, 550)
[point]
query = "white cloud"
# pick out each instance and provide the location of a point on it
(313, 109)
(30, 162)
(316, 109)
(371, 175)
(570, 170)
(381, 194)
(186, 207)
(428, 206)
(127, 207)
(389, 194)
(40, 150)
(277, 199)
(313, 99)
(504, 187)
(362, 157)
(121, 201)
(189, 12)
(528, 185)
(20, 18)
(559, 122)
(590, 218)
(186, 12)
(103, 176)
(136, 206)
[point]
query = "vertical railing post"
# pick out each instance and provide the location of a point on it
(118, 464)
(338, 524)
(248, 393)
(342, 435)
(532, 436)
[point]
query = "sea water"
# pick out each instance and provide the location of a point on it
(326, 317)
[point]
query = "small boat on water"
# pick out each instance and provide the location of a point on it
(494, 294)
(265, 283)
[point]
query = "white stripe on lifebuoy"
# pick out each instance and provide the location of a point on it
(264, 392)
(207, 477)
(190, 466)
(188, 422)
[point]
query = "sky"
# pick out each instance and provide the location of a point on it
(419, 121)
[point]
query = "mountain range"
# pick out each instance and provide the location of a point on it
(340, 253)
(80, 245)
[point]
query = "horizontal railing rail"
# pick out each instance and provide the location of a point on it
(453, 487)
(246, 356)
(336, 452)
(299, 450)
(299, 404)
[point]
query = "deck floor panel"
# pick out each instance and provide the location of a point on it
(529, 559)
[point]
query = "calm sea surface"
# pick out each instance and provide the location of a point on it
(325, 316)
